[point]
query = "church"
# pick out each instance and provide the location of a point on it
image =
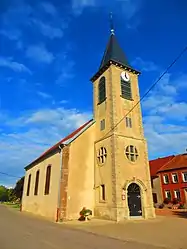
(103, 165)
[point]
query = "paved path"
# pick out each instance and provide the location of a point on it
(22, 231)
(168, 232)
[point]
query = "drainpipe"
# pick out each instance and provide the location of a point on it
(60, 182)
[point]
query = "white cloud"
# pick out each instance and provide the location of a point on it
(66, 72)
(143, 65)
(11, 34)
(176, 111)
(59, 117)
(165, 139)
(127, 9)
(48, 30)
(165, 118)
(49, 8)
(181, 82)
(44, 95)
(39, 53)
(33, 133)
(79, 5)
(13, 65)
(64, 101)
(130, 7)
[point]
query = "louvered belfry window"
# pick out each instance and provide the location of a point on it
(102, 90)
(126, 92)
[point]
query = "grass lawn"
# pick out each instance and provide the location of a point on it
(12, 205)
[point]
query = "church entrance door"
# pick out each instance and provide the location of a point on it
(134, 200)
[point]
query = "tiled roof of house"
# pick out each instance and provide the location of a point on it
(178, 162)
(65, 140)
(158, 163)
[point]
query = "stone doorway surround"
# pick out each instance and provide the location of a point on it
(143, 191)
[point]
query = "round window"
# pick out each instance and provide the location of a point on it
(131, 153)
(102, 155)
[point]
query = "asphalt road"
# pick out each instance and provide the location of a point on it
(21, 231)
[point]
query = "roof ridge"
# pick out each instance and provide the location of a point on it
(167, 162)
(62, 141)
(160, 158)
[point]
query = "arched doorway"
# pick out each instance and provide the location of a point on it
(134, 200)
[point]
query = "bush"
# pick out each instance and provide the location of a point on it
(167, 201)
(84, 213)
(181, 206)
(175, 201)
(161, 206)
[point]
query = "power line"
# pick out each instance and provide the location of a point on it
(3, 173)
(153, 85)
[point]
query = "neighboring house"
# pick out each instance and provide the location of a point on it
(169, 178)
(100, 167)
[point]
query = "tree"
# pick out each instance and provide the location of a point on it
(3, 193)
(11, 195)
(18, 190)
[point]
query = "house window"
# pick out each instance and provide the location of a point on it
(184, 176)
(102, 125)
(131, 153)
(166, 179)
(177, 194)
(47, 181)
(36, 183)
(102, 90)
(126, 89)
(168, 194)
(102, 193)
(175, 178)
(102, 155)
(29, 185)
(128, 122)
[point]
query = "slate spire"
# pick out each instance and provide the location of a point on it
(113, 51)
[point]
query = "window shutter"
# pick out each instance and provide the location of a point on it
(126, 90)
(102, 90)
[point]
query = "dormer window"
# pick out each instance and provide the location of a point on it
(101, 90)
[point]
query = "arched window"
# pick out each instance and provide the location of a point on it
(47, 181)
(29, 185)
(126, 89)
(102, 90)
(36, 182)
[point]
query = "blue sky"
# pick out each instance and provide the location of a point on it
(50, 49)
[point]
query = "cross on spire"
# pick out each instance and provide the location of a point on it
(111, 24)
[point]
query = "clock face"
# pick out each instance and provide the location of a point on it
(125, 76)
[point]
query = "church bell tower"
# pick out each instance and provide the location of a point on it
(122, 178)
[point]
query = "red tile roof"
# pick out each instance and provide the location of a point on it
(158, 163)
(74, 133)
(178, 162)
